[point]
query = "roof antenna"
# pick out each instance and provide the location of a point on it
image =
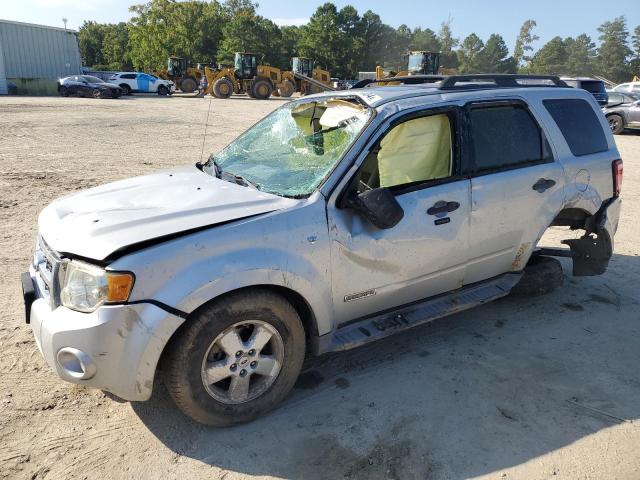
(205, 133)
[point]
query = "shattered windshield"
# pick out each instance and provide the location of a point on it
(292, 150)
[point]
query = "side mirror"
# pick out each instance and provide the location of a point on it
(379, 206)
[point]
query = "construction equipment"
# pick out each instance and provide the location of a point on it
(417, 63)
(308, 77)
(186, 78)
(246, 76)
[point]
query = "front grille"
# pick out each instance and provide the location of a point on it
(48, 268)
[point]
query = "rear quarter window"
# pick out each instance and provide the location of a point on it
(579, 125)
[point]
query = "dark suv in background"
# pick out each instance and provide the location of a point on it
(592, 85)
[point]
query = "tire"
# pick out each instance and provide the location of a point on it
(542, 275)
(126, 89)
(188, 85)
(616, 123)
(163, 91)
(223, 88)
(96, 93)
(199, 342)
(286, 89)
(262, 89)
(63, 91)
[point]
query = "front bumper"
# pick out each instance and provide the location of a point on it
(116, 348)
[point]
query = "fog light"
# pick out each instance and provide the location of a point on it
(76, 363)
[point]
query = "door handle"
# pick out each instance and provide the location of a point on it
(441, 208)
(543, 184)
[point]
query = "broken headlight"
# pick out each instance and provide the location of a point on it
(86, 287)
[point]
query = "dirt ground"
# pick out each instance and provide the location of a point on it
(517, 389)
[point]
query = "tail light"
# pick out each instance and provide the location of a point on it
(616, 167)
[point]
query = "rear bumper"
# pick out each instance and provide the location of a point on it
(116, 348)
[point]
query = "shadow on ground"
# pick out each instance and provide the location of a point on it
(471, 394)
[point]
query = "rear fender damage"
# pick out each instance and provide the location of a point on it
(590, 253)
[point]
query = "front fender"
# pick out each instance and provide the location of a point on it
(278, 268)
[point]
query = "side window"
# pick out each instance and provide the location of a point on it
(415, 151)
(505, 136)
(579, 125)
(128, 76)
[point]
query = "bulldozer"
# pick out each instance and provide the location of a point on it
(303, 70)
(417, 63)
(186, 78)
(248, 75)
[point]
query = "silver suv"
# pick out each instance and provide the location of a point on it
(337, 220)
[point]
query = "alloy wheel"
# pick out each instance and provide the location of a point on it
(242, 362)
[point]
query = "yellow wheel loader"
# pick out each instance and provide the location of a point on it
(247, 76)
(417, 63)
(186, 78)
(306, 78)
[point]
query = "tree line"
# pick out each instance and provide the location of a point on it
(342, 41)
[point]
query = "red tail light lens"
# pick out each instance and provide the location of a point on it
(617, 177)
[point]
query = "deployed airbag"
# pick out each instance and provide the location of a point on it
(416, 150)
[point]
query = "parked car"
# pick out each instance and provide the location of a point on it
(592, 85)
(338, 219)
(139, 82)
(622, 111)
(87, 86)
(629, 87)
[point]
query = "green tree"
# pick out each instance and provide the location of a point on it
(524, 41)
(494, 57)
(425, 40)
(163, 28)
(90, 42)
(447, 44)
(635, 42)
(115, 47)
(551, 59)
(470, 56)
(581, 54)
(614, 50)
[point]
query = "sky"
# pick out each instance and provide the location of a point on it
(484, 17)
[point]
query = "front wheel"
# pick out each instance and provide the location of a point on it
(236, 359)
(126, 89)
(63, 91)
(163, 91)
(96, 93)
(222, 88)
(262, 89)
(616, 123)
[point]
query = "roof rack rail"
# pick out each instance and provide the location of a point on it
(499, 80)
(406, 80)
(472, 81)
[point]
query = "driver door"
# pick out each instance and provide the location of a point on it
(425, 254)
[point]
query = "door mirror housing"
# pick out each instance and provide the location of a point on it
(379, 206)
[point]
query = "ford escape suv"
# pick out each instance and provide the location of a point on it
(338, 219)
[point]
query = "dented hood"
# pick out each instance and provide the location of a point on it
(95, 223)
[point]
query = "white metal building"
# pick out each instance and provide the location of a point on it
(34, 57)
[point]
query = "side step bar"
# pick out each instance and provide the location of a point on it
(385, 324)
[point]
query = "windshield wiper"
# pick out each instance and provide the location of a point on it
(239, 179)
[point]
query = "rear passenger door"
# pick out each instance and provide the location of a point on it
(516, 186)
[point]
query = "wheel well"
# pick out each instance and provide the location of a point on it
(296, 300)
(571, 217)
